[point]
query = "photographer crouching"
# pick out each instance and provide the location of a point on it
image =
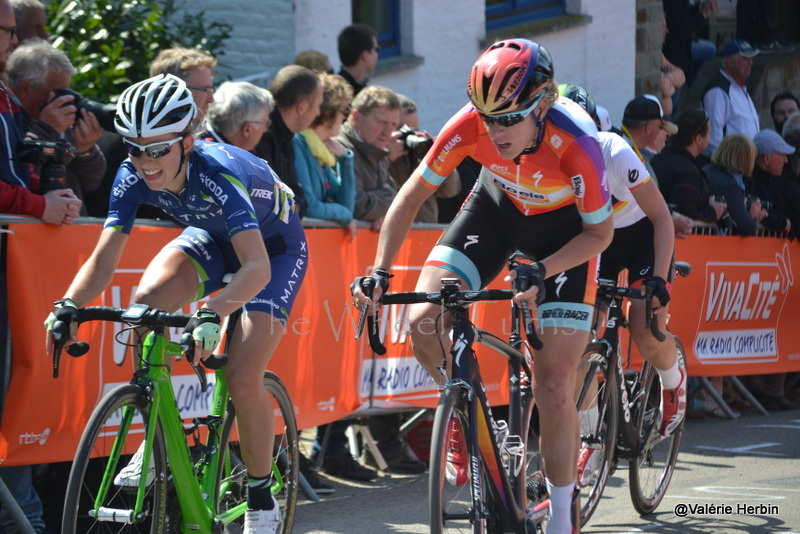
(60, 141)
(406, 153)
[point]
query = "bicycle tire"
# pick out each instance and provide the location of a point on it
(231, 486)
(605, 433)
(651, 472)
(92, 460)
(451, 506)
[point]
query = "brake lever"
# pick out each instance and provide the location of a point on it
(187, 347)
(530, 331)
(649, 316)
(60, 336)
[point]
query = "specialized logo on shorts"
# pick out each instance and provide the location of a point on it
(561, 279)
(633, 175)
(556, 141)
(471, 240)
(578, 187)
(645, 271)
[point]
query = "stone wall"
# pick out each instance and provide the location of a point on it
(649, 38)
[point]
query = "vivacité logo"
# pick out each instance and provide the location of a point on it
(742, 306)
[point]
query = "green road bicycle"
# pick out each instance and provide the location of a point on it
(169, 485)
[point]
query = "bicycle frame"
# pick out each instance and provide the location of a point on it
(154, 375)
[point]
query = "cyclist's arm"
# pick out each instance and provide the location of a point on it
(96, 274)
(251, 277)
(653, 205)
(398, 220)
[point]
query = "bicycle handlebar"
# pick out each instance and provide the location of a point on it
(448, 296)
(151, 318)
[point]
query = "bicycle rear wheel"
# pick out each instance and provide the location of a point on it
(232, 474)
(602, 434)
(650, 473)
(94, 503)
(452, 510)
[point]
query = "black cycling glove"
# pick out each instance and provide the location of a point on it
(204, 327)
(378, 278)
(64, 310)
(529, 276)
(660, 289)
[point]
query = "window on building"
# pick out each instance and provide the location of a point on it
(503, 13)
(385, 18)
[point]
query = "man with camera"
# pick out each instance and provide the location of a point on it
(414, 145)
(63, 132)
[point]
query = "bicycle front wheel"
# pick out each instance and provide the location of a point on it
(452, 509)
(601, 437)
(650, 473)
(232, 474)
(100, 499)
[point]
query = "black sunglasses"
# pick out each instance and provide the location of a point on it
(153, 150)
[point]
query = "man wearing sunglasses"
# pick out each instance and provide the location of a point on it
(239, 217)
(542, 191)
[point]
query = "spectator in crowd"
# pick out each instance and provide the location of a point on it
(781, 197)
(758, 22)
(791, 134)
(194, 67)
(415, 144)
(324, 167)
(681, 46)
(733, 159)
(644, 126)
(367, 132)
(239, 115)
(31, 18)
(358, 53)
(314, 60)
(37, 73)
(783, 105)
(298, 95)
(17, 197)
(681, 178)
(16, 183)
(726, 99)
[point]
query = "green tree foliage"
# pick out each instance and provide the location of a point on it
(112, 42)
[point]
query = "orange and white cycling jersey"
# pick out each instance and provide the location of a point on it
(566, 169)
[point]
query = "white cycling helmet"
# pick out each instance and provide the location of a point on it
(156, 106)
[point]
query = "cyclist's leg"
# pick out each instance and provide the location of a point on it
(473, 249)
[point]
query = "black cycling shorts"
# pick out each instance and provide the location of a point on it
(632, 248)
(489, 229)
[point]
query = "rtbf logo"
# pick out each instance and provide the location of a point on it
(742, 306)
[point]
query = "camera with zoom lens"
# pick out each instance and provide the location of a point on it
(414, 143)
(52, 158)
(105, 113)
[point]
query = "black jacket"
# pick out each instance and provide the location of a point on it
(683, 22)
(277, 147)
(780, 197)
(724, 185)
(683, 183)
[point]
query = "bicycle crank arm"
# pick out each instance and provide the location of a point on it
(113, 515)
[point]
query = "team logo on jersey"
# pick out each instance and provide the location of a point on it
(556, 141)
(578, 186)
(498, 168)
(633, 175)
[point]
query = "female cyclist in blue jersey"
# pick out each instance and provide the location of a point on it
(541, 191)
(240, 219)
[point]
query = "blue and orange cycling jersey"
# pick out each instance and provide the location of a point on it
(566, 169)
(227, 190)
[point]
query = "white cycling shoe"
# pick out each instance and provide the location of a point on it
(131, 474)
(263, 521)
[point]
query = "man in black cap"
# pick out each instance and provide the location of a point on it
(646, 130)
(726, 100)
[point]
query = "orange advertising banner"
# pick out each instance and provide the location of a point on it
(734, 315)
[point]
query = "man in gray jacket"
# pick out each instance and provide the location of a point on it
(368, 132)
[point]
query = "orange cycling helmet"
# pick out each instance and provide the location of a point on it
(512, 76)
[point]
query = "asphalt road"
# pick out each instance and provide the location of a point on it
(733, 476)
